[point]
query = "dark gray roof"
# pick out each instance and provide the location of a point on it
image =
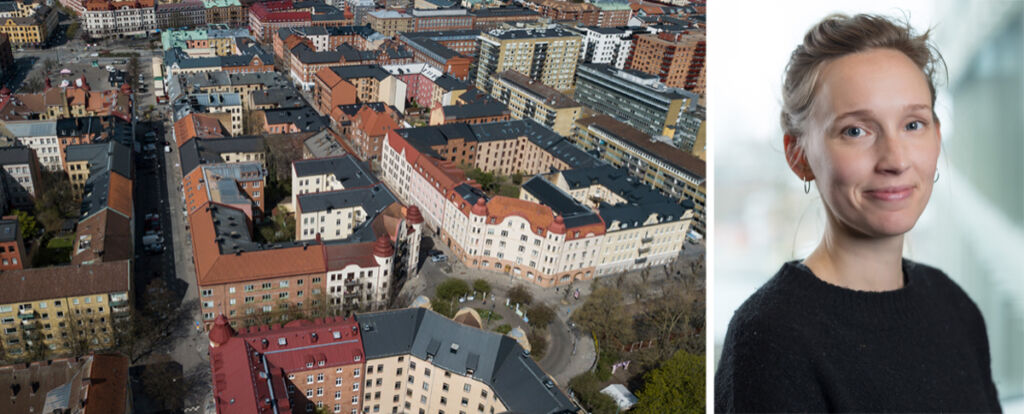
(282, 97)
(8, 230)
(112, 156)
(305, 118)
(361, 71)
(541, 136)
(574, 213)
(323, 144)
(15, 155)
(449, 83)
(641, 200)
(232, 231)
(504, 11)
(349, 171)
(372, 199)
(499, 361)
(198, 151)
(475, 110)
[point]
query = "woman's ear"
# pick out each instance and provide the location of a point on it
(796, 159)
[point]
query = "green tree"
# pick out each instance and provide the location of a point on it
(587, 388)
(482, 286)
(451, 288)
(442, 306)
(520, 294)
(27, 225)
(675, 387)
(538, 343)
(487, 180)
(603, 315)
(540, 315)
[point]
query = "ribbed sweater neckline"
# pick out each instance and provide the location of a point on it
(876, 310)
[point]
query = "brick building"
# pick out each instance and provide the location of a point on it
(676, 58)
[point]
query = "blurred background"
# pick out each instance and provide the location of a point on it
(973, 228)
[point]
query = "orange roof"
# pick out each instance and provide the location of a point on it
(197, 125)
(214, 268)
(539, 215)
(77, 96)
(375, 123)
(328, 77)
(119, 195)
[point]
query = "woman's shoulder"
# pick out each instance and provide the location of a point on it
(773, 310)
(940, 288)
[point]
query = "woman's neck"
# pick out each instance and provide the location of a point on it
(858, 262)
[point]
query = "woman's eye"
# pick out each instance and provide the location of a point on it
(915, 125)
(853, 132)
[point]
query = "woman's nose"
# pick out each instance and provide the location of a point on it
(892, 154)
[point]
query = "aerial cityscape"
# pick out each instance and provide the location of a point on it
(352, 206)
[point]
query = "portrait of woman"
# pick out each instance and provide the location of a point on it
(854, 325)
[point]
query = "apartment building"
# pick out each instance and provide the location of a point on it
(546, 55)
(449, 52)
(301, 366)
(292, 120)
(487, 18)
(450, 367)
(637, 99)
(323, 38)
(359, 367)
(305, 62)
(12, 246)
(226, 12)
(103, 174)
(27, 24)
(643, 228)
(41, 137)
(50, 308)
(523, 238)
(329, 174)
(184, 14)
(246, 58)
(223, 82)
(428, 86)
(389, 22)
(527, 98)
(675, 173)
(472, 107)
(241, 185)
(200, 152)
(600, 14)
(214, 103)
(677, 58)
(218, 39)
(95, 383)
(20, 169)
(105, 18)
(334, 215)
(346, 85)
(608, 45)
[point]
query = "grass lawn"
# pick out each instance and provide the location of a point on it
(62, 242)
(485, 312)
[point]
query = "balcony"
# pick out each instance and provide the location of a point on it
(28, 325)
(350, 283)
(644, 250)
(117, 303)
(26, 314)
(640, 260)
(646, 240)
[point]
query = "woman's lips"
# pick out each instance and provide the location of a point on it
(890, 193)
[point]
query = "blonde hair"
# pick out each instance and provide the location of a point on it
(839, 35)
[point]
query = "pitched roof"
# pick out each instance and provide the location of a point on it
(348, 170)
(674, 156)
(491, 358)
(305, 118)
(550, 96)
(53, 282)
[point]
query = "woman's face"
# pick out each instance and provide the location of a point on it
(872, 142)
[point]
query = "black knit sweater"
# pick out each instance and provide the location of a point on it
(801, 344)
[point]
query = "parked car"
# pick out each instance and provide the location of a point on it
(149, 147)
(438, 258)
